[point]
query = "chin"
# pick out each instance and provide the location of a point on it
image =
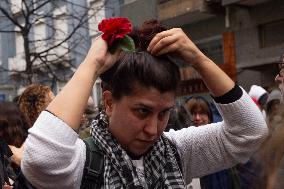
(139, 152)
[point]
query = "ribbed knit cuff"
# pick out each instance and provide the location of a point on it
(233, 95)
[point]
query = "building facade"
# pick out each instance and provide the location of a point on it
(69, 25)
(244, 37)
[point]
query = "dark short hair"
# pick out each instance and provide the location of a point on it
(140, 69)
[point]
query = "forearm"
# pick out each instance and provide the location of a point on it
(70, 103)
(217, 81)
(225, 143)
(176, 41)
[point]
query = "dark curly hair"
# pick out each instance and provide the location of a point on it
(33, 101)
(13, 125)
(140, 67)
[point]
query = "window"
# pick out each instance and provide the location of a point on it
(19, 38)
(163, 1)
(213, 48)
(40, 36)
(96, 14)
(271, 34)
(60, 24)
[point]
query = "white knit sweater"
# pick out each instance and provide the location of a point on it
(54, 156)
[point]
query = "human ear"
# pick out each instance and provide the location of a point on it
(108, 101)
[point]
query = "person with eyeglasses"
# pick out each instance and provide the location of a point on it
(199, 111)
(266, 169)
(280, 76)
(201, 114)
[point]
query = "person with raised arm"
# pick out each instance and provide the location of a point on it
(139, 92)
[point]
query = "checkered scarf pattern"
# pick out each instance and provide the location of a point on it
(160, 165)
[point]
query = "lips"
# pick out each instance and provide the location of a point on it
(146, 141)
(197, 123)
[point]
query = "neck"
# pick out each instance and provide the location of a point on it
(133, 156)
(137, 157)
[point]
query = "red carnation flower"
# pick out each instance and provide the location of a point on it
(114, 28)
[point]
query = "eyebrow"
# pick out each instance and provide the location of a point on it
(150, 108)
(168, 109)
(143, 105)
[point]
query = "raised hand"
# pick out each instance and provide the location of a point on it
(70, 103)
(7, 187)
(100, 56)
(176, 41)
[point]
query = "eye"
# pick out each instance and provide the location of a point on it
(164, 113)
(142, 112)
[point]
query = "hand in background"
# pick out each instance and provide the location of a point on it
(7, 187)
(17, 154)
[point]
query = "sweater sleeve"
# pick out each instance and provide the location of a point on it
(53, 157)
(213, 147)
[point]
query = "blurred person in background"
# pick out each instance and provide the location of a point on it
(199, 111)
(34, 99)
(279, 79)
(273, 102)
(13, 131)
(88, 116)
(272, 151)
(259, 96)
(266, 167)
(271, 154)
(13, 125)
(5, 154)
(200, 115)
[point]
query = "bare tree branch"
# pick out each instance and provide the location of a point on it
(10, 17)
(52, 49)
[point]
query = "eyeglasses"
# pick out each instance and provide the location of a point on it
(281, 69)
(200, 113)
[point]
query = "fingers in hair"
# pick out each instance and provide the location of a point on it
(168, 49)
(163, 45)
(157, 38)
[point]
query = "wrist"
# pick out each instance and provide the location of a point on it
(200, 61)
(91, 68)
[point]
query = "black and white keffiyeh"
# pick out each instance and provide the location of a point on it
(160, 165)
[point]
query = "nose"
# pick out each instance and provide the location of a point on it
(278, 79)
(151, 127)
(196, 117)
